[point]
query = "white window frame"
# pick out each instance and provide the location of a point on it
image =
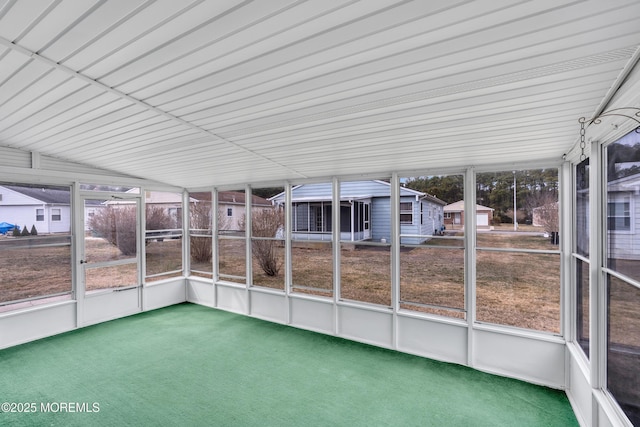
(406, 211)
(619, 199)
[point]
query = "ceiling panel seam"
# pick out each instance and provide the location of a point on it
(14, 46)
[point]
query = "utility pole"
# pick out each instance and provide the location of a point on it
(515, 209)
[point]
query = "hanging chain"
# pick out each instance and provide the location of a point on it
(583, 144)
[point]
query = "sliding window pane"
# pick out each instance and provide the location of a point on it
(432, 281)
(365, 236)
(623, 206)
(232, 255)
(582, 208)
(35, 250)
(163, 239)
(518, 289)
(534, 193)
(623, 349)
(582, 306)
(267, 238)
(432, 244)
(34, 267)
(312, 268)
(200, 239)
(365, 273)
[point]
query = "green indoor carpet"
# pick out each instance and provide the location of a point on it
(188, 365)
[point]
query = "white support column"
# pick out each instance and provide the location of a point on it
(186, 239)
(395, 255)
(566, 209)
(335, 231)
(247, 238)
(141, 232)
(288, 265)
(214, 243)
(77, 246)
(597, 283)
(470, 257)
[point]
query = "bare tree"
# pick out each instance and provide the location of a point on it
(265, 223)
(117, 225)
(156, 218)
(200, 222)
(544, 211)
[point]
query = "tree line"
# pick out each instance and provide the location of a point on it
(534, 188)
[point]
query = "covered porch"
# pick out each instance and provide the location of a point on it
(312, 219)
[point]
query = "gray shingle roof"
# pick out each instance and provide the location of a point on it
(51, 195)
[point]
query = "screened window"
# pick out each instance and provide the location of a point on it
(36, 269)
(581, 254)
(232, 244)
(311, 238)
(432, 258)
(623, 259)
(517, 252)
(267, 239)
(200, 237)
(39, 214)
(406, 213)
(163, 239)
(365, 255)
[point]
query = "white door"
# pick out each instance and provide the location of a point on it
(110, 258)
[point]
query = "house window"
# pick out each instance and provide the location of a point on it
(619, 214)
(229, 212)
(55, 215)
(406, 213)
(447, 215)
(39, 214)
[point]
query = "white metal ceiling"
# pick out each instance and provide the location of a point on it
(212, 92)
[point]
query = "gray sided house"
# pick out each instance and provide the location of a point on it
(47, 208)
(623, 207)
(365, 212)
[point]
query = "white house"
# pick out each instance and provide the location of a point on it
(365, 212)
(232, 207)
(46, 208)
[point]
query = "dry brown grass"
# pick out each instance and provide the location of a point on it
(29, 273)
(518, 289)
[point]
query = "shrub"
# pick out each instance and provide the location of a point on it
(34, 232)
(265, 223)
(16, 231)
(157, 218)
(117, 225)
(25, 231)
(200, 216)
